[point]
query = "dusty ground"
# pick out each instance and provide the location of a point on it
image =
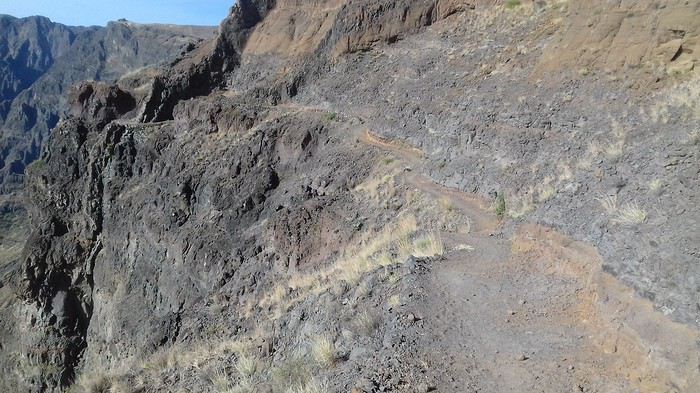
(519, 307)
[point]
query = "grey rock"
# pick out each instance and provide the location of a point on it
(42, 60)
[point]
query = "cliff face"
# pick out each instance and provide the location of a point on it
(375, 195)
(28, 49)
(41, 60)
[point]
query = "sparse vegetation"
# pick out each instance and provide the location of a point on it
(446, 204)
(628, 214)
(379, 187)
(464, 247)
(394, 301)
(631, 214)
(429, 246)
(323, 350)
(366, 323)
(655, 185)
(243, 386)
(608, 203)
(546, 192)
(221, 381)
(500, 206)
(585, 163)
(375, 251)
(246, 366)
(522, 205)
(292, 375)
(404, 247)
(614, 151)
(268, 242)
(37, 165)
(512, 4)
(313, 386)
(565, 173)
(330, 116)
(92, 383)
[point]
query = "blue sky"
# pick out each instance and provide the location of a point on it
(99, 12)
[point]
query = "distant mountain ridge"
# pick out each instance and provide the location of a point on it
(28, 47)
(40, 60)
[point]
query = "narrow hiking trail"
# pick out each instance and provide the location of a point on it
(516, 307)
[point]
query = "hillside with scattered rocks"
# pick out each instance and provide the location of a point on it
(375, 196)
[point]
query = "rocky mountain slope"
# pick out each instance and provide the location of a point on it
(376, 195)
(40, 61)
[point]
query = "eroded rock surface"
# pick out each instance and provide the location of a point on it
(372, 196)
(42, 60)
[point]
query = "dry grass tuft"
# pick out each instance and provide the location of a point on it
(92, 383)
(292, 375)
(614, 151)
(429, 246)
(243, 386)
(464, 247)
(628, 214)
(221, 381)
(608, 203)
(546, 192)
(323, 351)
(655, 185)
(246, 366)
(378, 187)
(367, 323)
(404, 247)
(446, 204)
(373, 252)
(684, 98)
(631, 214)
(394, 301)
(312, 386)
(565, 173)
(521, 206)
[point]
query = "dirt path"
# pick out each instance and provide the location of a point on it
(518, 324)
(522, 311)
(524, 314)
(402, 150)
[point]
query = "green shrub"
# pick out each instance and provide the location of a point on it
(331, 116)
(500, 205)
(511, 4)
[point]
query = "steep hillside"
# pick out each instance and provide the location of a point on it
(376, 195)
(40, 61)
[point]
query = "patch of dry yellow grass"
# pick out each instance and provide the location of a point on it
(630, 214)
(373, 252)
(429, 246)
(394, 301)
(521, 205)
(685, 96)
(323, 350)
(546, 190)
(608, 203)
(377, 187)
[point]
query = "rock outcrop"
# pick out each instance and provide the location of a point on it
(41, 60)
(644, 38)
(374, 195)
